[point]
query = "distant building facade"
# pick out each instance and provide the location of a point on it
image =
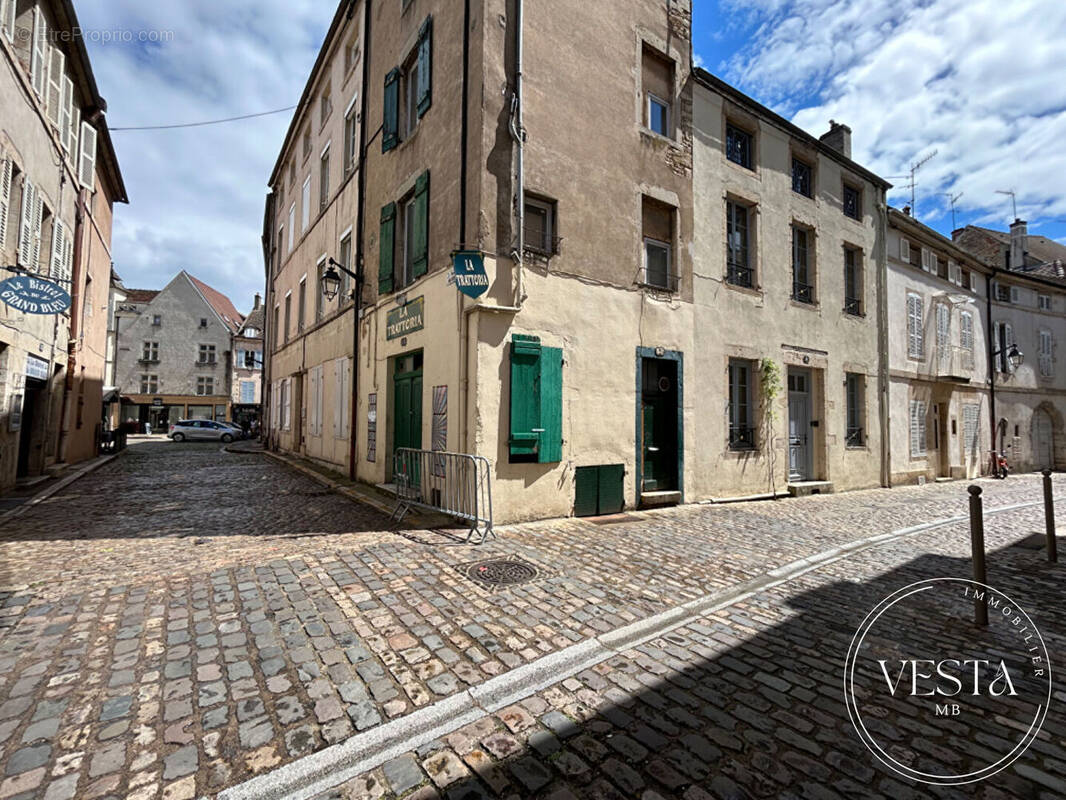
(1027, 284)
(247, 389)
(175, 356)
(938, 355)
(59, 180)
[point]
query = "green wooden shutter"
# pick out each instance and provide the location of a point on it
(525, 395)
(420, 261)
(390, 131)
(388, 238)
(425, 67)
(551, 406)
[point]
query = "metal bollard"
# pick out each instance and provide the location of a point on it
(977, 543)
(1049, 519)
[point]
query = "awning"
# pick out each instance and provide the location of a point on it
(110, 394)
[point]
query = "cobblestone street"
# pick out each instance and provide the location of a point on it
(167, 632)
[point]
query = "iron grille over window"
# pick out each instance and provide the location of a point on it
(854, 437)
(739, 275)
(741, 438)
(802, 292)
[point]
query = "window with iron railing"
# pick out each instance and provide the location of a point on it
(739, 271)
(740, 411)
(854, 437)
(855, 400)
(802, 286)
(852, 281)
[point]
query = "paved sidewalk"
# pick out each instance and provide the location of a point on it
(165, 631)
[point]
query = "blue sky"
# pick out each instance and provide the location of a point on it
(982, 82)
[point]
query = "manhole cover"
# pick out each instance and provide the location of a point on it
(500, 571)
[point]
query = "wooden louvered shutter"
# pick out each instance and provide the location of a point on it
(66, 113)
(56, 263)
(87, 162)
(38, 218)
(425, 67)
(25, 254)
(420, 261)
(387, 246)
(390, 132)
(6, 169)
(54, 100)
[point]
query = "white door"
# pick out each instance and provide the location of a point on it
(799, 426)
(1043, 455)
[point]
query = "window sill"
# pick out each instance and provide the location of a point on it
(648, 133)
(853, 315)
(753, 171)
(741, 452)
(650, 287)
(754, 291)
(860, 447)
(800, 304)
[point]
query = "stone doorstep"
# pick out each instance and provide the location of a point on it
(807, 488)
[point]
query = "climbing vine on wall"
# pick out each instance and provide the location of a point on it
(770, 383)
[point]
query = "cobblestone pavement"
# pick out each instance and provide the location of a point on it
(184, 618)
(748, 702)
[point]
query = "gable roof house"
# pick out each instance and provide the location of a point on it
(175, 355)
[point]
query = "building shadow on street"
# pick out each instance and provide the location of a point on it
(749, 703)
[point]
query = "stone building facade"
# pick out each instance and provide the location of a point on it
(789, 274)
(1027, 286)
(246, 394)
(59, 180)
(175, 353)
(938, 355)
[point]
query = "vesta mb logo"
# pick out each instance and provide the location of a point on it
(920, 679)
(947, 678)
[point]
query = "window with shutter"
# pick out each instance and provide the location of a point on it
(966, 330)
(421, 233)
(1015, 294)
(973, 281)
(915, 339)
(87, 165)
(917, 429)
(390, 132)
(66, 110)
(1008, 341)
(536, 401)
(56, 264)
(38, 223)
(305, 208)
(425, 67)
(39, 53)
(1046, 369)
(387, 247)
(54, 95)
(904, 250)
(25, 254)
(292, 224)
(6, 168)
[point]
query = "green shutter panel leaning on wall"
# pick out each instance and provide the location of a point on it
(425, 67)
(390, 131)
(420, 261)
(387, 240)
(536, 400)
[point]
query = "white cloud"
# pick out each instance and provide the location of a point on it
(196, 194)
(981, 81)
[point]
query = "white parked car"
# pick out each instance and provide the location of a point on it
(193, 429)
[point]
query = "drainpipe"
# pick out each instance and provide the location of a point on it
(360, 224)
(882, 343)
(75, 324)
(518, 133)
(990, 339)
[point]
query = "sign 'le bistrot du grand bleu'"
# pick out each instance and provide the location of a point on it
(34, 296)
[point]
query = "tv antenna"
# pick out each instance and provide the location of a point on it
(953, 199)
(1013, 200)
(915, 166)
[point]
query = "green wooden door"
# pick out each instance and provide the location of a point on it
(407, 410)
(598, 490)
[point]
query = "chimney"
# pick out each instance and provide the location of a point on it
(838, 137)
(1019, 241)
(258, 300)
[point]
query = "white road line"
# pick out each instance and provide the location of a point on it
(328, 768)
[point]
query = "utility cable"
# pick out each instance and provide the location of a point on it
(201, 124)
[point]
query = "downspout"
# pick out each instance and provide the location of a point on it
(990, 338)
(266, 394)
(518, 133)
(882, 344)
(464, 318)
(360, 224)
(75, 326)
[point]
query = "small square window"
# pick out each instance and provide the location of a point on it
(658, 115)
(157, 320)
(852, 202)
(540, 227)
(203, 322)
(738, 146)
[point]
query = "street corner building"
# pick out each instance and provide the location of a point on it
(185, 352)
(612, 276)
(59, 181)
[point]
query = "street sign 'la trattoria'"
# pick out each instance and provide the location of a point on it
(34, 296)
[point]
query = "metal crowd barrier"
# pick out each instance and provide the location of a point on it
(455, 484)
